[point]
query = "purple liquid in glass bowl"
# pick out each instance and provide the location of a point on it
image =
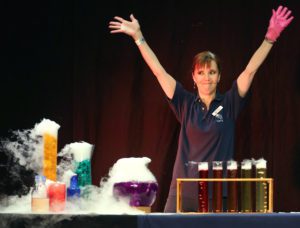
(140, 194)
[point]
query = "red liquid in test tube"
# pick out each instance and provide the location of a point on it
(203, 187)
(217, 187)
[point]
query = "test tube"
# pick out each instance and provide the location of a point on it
(203, 187)
(217, 205)
(261, 199)
(232, 198)
(246, 190)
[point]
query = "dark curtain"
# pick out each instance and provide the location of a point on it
(60, 62)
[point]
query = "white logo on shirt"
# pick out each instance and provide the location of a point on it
(219, 117)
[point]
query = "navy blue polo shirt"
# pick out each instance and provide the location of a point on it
(205, 135)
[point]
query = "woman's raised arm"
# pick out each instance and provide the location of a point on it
(133, 29)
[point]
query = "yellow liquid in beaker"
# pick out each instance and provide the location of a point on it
(50, 156)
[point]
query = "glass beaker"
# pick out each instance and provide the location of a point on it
(57, 196)
(82, 153)
(39, 195)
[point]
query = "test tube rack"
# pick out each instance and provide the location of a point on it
(180, 181)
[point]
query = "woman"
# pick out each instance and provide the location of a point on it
(207, 118)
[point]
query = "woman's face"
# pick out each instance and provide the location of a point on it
(206, 78)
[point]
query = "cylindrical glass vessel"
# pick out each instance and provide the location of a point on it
(48, 130)
(217, 205)
(232, 198)
(57, 196)
(246, 187)
(39, 196)
(82, 152)
(261, 199)
(203, 187)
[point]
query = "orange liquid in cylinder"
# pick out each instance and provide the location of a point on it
(40, 205)
(50, 156)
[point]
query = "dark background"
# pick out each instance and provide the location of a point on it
(60, 62)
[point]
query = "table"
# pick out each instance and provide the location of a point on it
(153, 220)
(272, 220)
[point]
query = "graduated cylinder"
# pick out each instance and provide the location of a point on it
(246, 187)
(261, 199)
(203, 187)
(232, 198)
(48, 130)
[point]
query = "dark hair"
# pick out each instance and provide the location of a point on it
(205, 57)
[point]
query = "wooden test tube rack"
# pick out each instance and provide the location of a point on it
(181, 180)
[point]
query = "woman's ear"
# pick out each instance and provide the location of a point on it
(193, 77)
(219, 78)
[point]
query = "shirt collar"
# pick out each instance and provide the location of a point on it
(218, 97)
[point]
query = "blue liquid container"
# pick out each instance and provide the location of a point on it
(73, 191)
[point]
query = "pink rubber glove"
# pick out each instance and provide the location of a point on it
(279, 21)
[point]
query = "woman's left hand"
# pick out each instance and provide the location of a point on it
(280, 19)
